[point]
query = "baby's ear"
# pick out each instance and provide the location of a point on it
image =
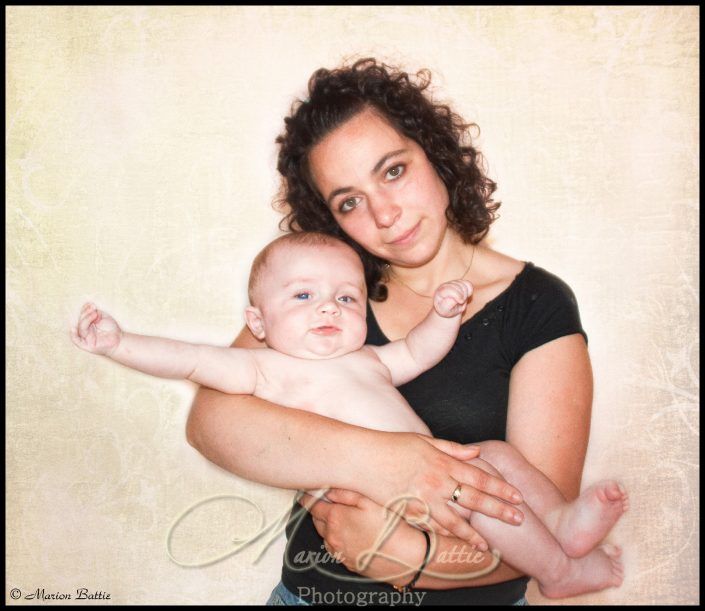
(255, 322)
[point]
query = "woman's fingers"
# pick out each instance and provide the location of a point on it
(320, 526)
(459, 527)
(475, 539)
(441, 520)
(308, 500)
(485, 482)
(318, 509)
(434, 527)
(452, 448)
(346, 497)
(478, 492)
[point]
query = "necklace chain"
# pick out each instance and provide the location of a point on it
(472, 258)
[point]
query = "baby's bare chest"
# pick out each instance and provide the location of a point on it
(305, 383)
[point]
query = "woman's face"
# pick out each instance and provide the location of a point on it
(382, 189)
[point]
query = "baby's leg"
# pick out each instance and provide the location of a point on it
(578, 525)
(531, 548)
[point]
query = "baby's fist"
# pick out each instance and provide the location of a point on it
(451, 298)
(96, 332)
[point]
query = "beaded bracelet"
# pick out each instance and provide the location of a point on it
(409, 586)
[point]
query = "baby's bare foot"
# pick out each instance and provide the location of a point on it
(600, 569)
(588, 519)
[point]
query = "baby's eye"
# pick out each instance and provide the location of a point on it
(302, 296)
(348, 204)
(346, 299)
(395, 172)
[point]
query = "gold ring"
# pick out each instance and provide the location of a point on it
(456, 493)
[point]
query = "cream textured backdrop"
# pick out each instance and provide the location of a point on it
(140, 170)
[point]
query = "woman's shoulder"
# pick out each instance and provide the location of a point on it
(536, 307)
(525, 277)
(540, 283)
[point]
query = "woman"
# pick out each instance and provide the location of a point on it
(369, 158)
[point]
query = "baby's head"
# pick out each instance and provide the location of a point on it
(308, 296)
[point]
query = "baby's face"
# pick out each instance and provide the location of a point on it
(313, 301)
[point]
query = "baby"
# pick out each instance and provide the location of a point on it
(308, 303)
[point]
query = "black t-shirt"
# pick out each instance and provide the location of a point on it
(464, 399)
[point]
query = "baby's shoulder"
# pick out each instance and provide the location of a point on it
(363, 360)
(270, 360)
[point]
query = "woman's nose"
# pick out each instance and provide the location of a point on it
(385, 211)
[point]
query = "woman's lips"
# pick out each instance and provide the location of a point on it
(325, 330)
(406, 238)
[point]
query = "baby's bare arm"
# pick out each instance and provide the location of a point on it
(429, 341)
(231, 370)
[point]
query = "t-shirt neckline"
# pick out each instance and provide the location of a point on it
(524, 269)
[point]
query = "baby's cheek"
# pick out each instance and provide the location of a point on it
(361, 334)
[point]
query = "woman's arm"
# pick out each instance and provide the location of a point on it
(257, 440)
(548, 421)
(290, 448)
(550, 402)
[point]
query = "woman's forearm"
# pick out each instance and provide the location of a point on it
(282, 447)
(277, 446)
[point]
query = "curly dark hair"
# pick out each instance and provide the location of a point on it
(336, 96)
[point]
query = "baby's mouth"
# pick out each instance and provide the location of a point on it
(325, 330)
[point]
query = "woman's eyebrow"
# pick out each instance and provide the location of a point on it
(381, 162)
(378, 166)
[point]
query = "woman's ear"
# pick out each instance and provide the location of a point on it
(254, 320)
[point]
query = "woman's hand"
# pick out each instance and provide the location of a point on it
(226, 429)
(426, 471)
(357, 532)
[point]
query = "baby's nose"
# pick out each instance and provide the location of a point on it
(329, 306)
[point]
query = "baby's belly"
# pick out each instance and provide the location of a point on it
(383, 410)
(370, 405)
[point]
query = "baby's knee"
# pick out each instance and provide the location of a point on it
(486, 466)
(501, 454)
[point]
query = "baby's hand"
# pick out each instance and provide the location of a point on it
(451, 298)
(97, 332)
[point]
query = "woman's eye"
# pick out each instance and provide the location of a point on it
(348, 204)
(395, 172)
(302, 296)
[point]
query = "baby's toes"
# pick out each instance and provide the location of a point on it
(613, 491)
(613, 551)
